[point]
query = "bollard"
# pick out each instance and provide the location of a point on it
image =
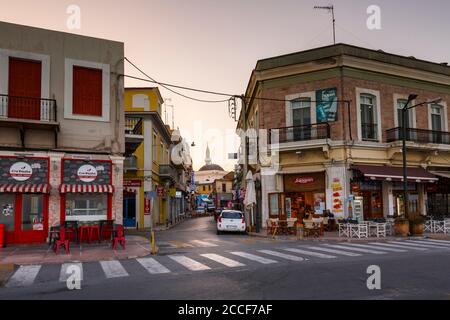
(300, 232)
(153, 242)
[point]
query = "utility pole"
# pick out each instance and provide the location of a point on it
(330, 8)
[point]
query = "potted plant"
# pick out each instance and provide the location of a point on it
(401, 226)
(416, 225)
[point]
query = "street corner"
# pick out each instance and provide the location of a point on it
(6, 270)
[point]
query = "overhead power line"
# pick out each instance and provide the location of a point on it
(167, 86)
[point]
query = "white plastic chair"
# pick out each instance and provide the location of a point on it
(428, 226)
(438, 226)
(381, 230)
(447, 226)
(343, 229)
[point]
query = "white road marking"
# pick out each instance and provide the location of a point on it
(203, 244)
(309, 253)
(63, 276)
(371, 247)
(24, 276)
(345, 247)
(282, 255)
(222, 260)
(397, 246)
(414, 245)
(344, 253)
(253, 257)
(437, 241)
(443, 245)
(152, 266)
(113, 269)
(189, 263)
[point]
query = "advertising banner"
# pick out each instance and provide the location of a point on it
(23, 170)
(326, 107)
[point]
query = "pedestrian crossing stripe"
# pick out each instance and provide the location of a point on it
(437, 241)
(344, 253)
(222, 260)
(64, 275)
(152, 266)
(311, 253)
(253, 257)
(439, 245)
(345, 247)
(113, 269)
(282, 255)
(397, 246)
(203, 244)
(180, 244)
(189, 263)
(24, 276)
(410, 244)
(371, 247)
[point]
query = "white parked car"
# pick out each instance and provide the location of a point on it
(231, 220)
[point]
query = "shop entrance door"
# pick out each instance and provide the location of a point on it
(129, 209)
(25, 216)
(372, 204)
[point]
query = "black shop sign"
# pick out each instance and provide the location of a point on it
(86, 172)
(17, 170)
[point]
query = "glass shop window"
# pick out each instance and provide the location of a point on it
(32, 212)
(81, 206)
(7, 211)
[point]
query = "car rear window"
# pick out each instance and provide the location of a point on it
(231, 215)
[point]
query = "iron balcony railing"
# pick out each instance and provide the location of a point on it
(418, 135)
(130, 163)
(167, 170)
(315, 131)
(27, 108)
(369, 131)
(133, 126)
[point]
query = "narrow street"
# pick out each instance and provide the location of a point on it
(195, 263)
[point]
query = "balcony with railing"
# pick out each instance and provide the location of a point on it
(167, 171)
(27, 109)
(130, 163)
(317, 131)
(422, 136)
(133, 134)
(25, 113)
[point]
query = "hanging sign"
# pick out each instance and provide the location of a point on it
(21, 171)
(147, 204)
(326, 107)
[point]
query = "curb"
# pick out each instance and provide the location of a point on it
(6, 271)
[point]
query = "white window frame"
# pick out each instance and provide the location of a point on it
(154, 147)
(68, 90)
(413, 111)
(376, 94)
(443, 105)
(5, 54)
(288, 106)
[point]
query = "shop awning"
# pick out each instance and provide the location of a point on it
(443, 174)
(395, 173)
(24, 188)
(86, 188)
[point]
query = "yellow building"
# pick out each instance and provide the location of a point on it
(146, 170)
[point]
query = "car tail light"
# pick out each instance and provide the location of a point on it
(243, 220)
(220, 219)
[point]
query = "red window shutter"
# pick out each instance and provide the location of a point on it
(87, 91)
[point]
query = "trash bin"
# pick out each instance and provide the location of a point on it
(2, 235)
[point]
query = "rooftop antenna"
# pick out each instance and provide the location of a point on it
(329, 8)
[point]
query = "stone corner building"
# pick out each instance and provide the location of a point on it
(61, 130)
(335, 113)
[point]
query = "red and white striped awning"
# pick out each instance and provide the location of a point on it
(86, 188)
(24, 188)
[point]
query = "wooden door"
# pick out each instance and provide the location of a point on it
(24, 89)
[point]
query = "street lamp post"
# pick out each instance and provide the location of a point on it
(405, 110)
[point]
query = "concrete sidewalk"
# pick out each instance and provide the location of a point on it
(136, 246)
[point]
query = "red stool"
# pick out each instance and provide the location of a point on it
(82, 230)
(62, 241)
(119, 237)
(95, 229)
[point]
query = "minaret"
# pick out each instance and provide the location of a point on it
(208, 155)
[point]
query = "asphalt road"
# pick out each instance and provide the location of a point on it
(195, 263)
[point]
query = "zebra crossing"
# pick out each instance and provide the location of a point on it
(26, 276)
(203, 243)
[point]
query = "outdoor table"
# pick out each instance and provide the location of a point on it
(282, 225)
(72, 227)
